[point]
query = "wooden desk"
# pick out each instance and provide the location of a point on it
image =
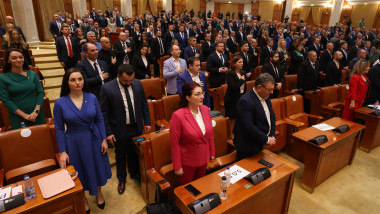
(71, 201)
(269, 196)
(314, 97)
(324, 160)
(371, 135)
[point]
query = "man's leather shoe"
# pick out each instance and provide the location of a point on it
(121, 187)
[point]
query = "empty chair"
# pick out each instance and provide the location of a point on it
(290, 85)
(329, 95)
(249, 85)
(154, 88)
(256, 72)
(31, 152)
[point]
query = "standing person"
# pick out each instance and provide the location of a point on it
(67, 49)
(83, 143)
(217, 64)
(141, 62)
(296, 58)
(192, 50)
(334, 70)
(273, 68)
(107, 55)
(236, 88)
(358, 86)
(17, 42)
(124, 49)
(173, 67)
(158, 50)
(55, 27)
(125, 121)
(374, 77)
(206, 47)
(255, 119)
(80, 38)
(21, 91)
(191, 135)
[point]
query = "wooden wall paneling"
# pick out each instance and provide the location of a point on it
(346, 13)
(89, 5)
(39, 22)
(134, 8)
(277, 12)
(47, 9)
(68, 7)
(326, 16)
(241, 8)
(255, 9)
(179, 5)
(296, 14)
(159, 6)
(376, 24)
(8, 8)
(203, 6)
(116, 4)
(217, 9)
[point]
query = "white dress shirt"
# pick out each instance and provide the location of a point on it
(195, 78)
(99, 69)
(198, 117)
(130, 91)
(266, 110)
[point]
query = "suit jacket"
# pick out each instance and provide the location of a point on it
(182, 42)
(252, 124)
(140, 69)
(62, 52)
(374, 77)
(344, 59)
(264, 55)
(113, 109)
(353, 52)
(307, 76)
(232, 45)
(333, 74)
(92, 77)
(316, 49)
(190, 53)
(255, 59)
(85, 28)
(120, 53)
(155, 48)
(324, 60)
(149, 38)
(295, 61)
(206, 50)
(119, 23)
(188, 145)
(233, 89)
(168, 40)
(247, 66)
(171, 72)
(239, 38)
(216, 78)
(267, 68)
(54, 29)
(186, 77)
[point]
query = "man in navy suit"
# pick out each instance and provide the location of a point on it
(192, 50)
(194, 73)
(217, 65)
(126, 115)
(266, 51)
(10, 20)
(94, 71)
(182, 38)
(255, 124)
(55, 27)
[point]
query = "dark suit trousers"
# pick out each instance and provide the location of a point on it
(275, 94)
(242, 155)
(71, 63)
(125, 152)
(156, 68)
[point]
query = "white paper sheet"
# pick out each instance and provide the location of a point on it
(323, 127)
(5, 193)
(237, 173)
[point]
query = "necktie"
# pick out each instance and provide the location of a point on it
(69, 47)
(221, 58)
(96, 68)
(246, 56)
(161, 47)
(194, 51)
(59, 26)
(313, 65)
(123, 46)
(182, 35)
(130, 107)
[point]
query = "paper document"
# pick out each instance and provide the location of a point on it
(323, 127)
(16, 190)
(5, 193)
(237, 173)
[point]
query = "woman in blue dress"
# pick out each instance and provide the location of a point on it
(83, 144)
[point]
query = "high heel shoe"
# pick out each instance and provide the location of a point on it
(101, 206)
(88, 211)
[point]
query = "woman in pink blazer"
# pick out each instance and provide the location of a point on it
(358, 86)
(191, 135)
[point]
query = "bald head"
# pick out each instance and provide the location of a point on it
(330, 46)
(362, 53)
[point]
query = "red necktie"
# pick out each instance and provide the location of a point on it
(69, 46)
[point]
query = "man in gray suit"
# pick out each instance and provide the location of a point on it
(173, 67)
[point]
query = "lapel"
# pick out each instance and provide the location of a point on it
(134, 90)
(190, 118)
(260, 107)
(188, 76)
(118, 92)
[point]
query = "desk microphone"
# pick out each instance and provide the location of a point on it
(205, 203)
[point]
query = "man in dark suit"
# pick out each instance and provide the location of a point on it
(354, 49)
(158, 50)
(55, 27)
(94, 71)
(326, 57)
(72, 27)
(254, 52)
(315, 47)
(206, 47)
(149, 36)
(334, 70)
(272, 67)
(67, 49)
(374, 77)
(10, 20)
(119, 20)
(125, 111)
(247, 59)
(182, 38)
(217, 65)
(240, 35)
(255, 124)
(344, 49)
(107, 55)
(108, 12)
(192, 50)
(194, 73)
(124, 49)
(307, 77)
(232, 43)
(85, 26)
(266, 51)
(168, 37)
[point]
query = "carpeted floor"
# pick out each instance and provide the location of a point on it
(354, 189)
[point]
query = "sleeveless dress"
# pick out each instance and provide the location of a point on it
(82, 139)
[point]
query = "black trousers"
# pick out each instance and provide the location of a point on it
(71, 63)
(242, 155)
(125, 152)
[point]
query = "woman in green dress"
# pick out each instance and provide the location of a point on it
(21, 91)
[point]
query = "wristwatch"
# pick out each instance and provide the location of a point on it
(37, 111)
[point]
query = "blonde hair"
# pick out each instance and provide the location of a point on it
(8, 34)
(279, 48)
(20, 40)
(359, 67)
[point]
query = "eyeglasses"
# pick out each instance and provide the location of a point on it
(199, 94)
(270, 90)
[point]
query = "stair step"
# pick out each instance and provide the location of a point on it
(47, 47)
(52, 93)
(43, 53)
(53, 82)
(46, 43)
(46, 66)
(49, 73)
(46, 59)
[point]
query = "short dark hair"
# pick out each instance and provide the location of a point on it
(190, 38)
(127, 69)
(187, 90)
(243, 43)
(272, 53)
(141, 47)
(8, 66)
(217, 43)
(191, 60)
(84, 47)
(264, 79)
(65, 89)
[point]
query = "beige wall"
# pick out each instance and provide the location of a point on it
(193, 4)
(48, 8)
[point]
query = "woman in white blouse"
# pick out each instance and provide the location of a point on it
(141, 62)
(236, 87)
(112, 25)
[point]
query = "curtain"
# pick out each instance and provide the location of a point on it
(305, 13)
(266, 9)
(224, 8)
(316, 13)
(153, 7)
(101, 5)
(368, 12)
(141, 7)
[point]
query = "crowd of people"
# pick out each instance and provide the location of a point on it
(103, 100)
